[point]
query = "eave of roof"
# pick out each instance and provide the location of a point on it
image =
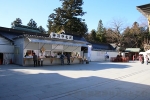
(144, 9)
(18, 33)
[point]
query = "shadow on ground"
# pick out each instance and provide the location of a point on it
(51, 86)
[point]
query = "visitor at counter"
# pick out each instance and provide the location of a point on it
(41, 59)
(68, 58)
(35, 59)
(58, 55)
(26, 54)
(62, 58)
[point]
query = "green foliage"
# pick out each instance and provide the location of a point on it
(134, 37)
(42, 30)
(100, 36)
(93, 35)
(18, 21)
(68, 18)
(100, 27)
(128, 37)
(90, 37)
(32, 23)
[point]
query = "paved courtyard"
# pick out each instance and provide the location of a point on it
(94, 81)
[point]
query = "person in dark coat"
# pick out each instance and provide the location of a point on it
(142, 59)
(35, 59)
(62, 58)
(147, 59)
(68, 58)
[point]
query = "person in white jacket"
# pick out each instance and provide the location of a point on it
(106, 56)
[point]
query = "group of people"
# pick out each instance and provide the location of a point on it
(141, 58)
(62, 56)
(38, 60)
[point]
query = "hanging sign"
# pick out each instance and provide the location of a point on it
(61, 36)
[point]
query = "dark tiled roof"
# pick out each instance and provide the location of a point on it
(102, 46)
(27, 29)
(77, 37)
(8, 35)
(12, 33)
(144, 9)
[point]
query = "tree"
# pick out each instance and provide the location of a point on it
(93, 35)
(100, 37)
(32, 23)
(42, 30)
(135, 36)
(117, 26)
(100, 27)
(68, 18)
(126, 38)
(18, 21)
(110, 36)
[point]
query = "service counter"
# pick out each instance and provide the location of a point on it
(51, 61)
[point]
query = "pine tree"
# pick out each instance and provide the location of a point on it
(100, 27)
(68, 18)
(100, 37)
(16, 22)
(32, 23)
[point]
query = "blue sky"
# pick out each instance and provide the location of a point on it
(39, 10)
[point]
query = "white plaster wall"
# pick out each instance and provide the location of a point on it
(99, 55)
(6, 49)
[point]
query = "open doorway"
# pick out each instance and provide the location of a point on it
(1, 58)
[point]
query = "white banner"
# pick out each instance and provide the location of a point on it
(61, 36)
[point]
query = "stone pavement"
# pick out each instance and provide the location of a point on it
(94, 81)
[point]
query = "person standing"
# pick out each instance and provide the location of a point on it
(142, 59)
(41, 59)
(62, 59)
(68, 58)
(35, 58)
(133, 58)
(106, 56)
(146, 57)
